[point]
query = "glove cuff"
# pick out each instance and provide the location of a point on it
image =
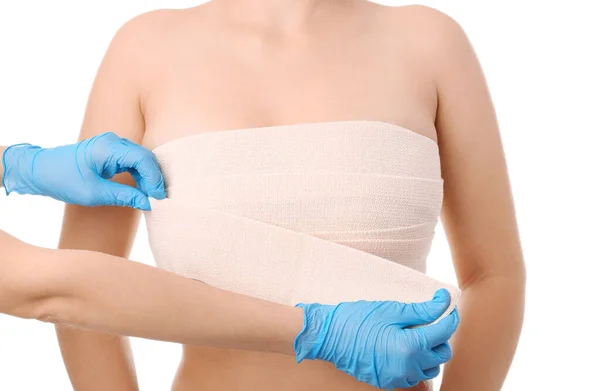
(310, 340)
(17, 162)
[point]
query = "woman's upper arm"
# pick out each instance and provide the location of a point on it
(478, 213)
(113, 105)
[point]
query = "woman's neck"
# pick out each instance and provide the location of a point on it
(287, 17)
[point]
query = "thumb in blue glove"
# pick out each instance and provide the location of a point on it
(79, 173)
(377, 342)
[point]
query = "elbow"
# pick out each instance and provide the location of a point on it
(33, 285)
(34, 290)
(497, 292)
(514, 277)
(51, 310)
(28, 307)
(20, 299)
(48, 301)
(28, 300)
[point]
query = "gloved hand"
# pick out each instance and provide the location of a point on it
(371, 342)
(79, 173)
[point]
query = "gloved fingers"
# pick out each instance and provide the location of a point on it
(437, 356)
(443, 352)
(398, 383)
(411, 382)
(134, 157)
(137, 178)
(428, 311)
(97, 154)
(431, 373)
(126, 196)
(423, 375)
(440, 332)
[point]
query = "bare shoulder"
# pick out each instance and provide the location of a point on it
(424, 15)
(435, 34)
(148, 28)
(142, 44)
(432, 24)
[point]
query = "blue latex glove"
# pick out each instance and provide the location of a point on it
(79, 173)
(374, 341)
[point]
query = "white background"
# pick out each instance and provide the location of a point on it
(541, 62)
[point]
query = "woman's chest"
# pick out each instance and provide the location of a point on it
(211, 87)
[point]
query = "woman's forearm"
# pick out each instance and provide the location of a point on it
(491, 312)
(111, 294)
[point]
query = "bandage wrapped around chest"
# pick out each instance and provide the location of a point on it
(323, 212)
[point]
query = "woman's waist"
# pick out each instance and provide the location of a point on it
(233, 370)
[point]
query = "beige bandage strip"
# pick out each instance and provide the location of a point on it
(323, 212)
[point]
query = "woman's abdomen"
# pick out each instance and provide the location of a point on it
(235, 370)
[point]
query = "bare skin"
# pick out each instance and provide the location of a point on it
(234, 64)
(69, 287)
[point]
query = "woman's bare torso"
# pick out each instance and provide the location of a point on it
(207, 69)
